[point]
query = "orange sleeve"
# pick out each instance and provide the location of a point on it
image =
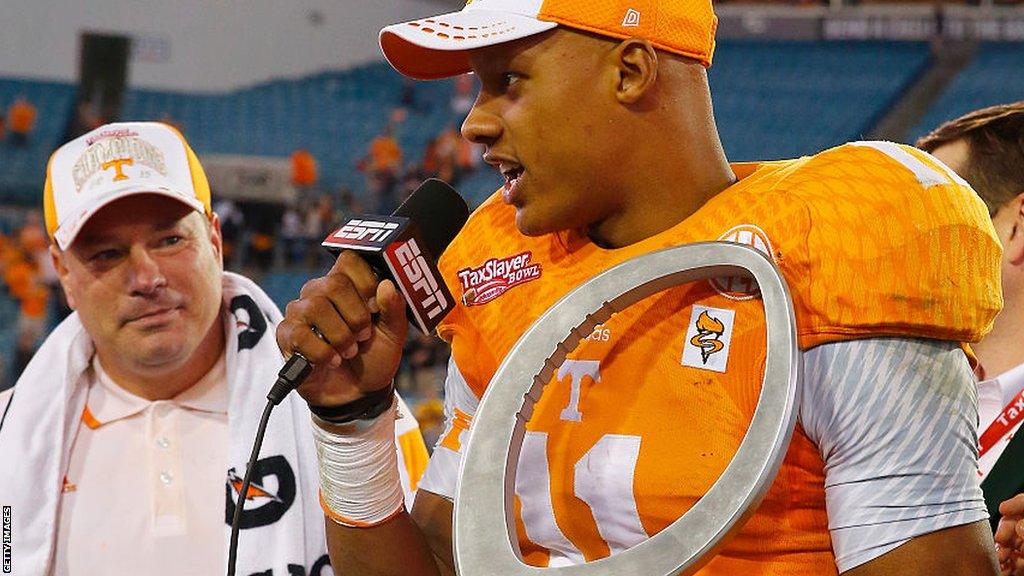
(895, 245)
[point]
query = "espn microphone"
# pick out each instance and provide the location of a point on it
(404, 248)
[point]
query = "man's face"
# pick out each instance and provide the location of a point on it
(544, 117)
(144, 275)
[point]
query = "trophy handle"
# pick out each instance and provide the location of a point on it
(484, 524)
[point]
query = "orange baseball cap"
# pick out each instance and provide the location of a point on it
(436, 47)
(115, 161)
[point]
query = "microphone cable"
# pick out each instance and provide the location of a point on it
(295, 370)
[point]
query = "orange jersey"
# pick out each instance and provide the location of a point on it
(385, 154)
(874, 239)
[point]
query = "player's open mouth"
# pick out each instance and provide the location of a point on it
(513, 175)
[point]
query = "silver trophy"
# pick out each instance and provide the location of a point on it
(484, 524)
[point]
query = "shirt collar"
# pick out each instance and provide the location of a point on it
(210, 394)
(108, 402)
(1011, 383)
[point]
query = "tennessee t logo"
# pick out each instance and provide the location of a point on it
(709, 332)
(577, 369)
(117, 164)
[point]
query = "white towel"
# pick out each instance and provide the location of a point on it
(42, 418)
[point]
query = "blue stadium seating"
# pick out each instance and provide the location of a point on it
(334, 115)
(283, 287)
(994, 77)
(788, 99)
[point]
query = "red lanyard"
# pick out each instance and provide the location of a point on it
(1011, 415)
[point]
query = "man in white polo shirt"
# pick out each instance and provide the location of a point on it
(136, 417)
(986, 147)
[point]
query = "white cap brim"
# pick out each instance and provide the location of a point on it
(65, 235)
(437, 47)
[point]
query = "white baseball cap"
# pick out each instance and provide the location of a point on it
(436, 47)
(115, 161)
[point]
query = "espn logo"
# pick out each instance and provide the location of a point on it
(366, 231)
(416, 272)
(367, 234)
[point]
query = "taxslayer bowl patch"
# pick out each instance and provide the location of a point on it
(484, 283)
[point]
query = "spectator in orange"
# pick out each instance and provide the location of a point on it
(385, 154)
(304, 169)
(33, 240)
(21, 118)
(26, 286)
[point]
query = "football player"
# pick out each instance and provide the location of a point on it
(599, 116)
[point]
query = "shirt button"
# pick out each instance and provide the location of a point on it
(166, 478)
(163, 442)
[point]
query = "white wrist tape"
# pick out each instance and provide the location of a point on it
(360, 485)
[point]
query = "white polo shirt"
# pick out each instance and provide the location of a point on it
(145, 489)
(999, 415)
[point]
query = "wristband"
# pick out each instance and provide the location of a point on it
(366, 408)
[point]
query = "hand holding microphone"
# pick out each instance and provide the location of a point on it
(345, 334)
(351, 324)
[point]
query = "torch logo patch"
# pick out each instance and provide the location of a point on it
(708, 337)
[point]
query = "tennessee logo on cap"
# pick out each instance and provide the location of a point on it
(114, 151)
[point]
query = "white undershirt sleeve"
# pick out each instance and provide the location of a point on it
(460, 404)
(895, 421)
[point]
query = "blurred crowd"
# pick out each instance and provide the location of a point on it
(30, 284)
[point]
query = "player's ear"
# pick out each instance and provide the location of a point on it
(636, 61)
(1014, 249)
